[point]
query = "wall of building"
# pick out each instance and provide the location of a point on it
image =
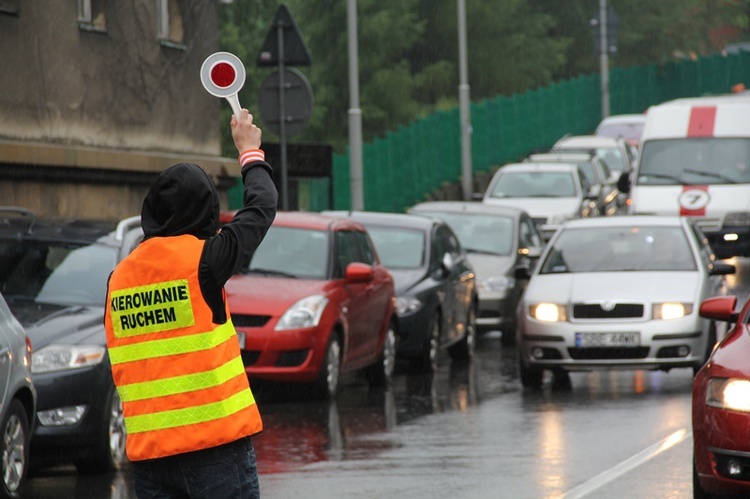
(90, 112)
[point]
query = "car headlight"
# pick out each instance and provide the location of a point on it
(496, 283)
(305, 313)
(407, 304)
(548, 312)
(737, 218)
(66, 357)
(730, 394)
(666, 311)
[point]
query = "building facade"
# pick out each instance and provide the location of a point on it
(98, 96)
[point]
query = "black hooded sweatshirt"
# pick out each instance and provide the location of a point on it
(183, 200)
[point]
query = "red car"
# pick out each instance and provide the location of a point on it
(315, 303)
(721, 407)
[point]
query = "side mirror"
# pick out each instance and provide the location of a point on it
(447, 262)
(522, 273)
(719, 308)
(720, 268)
(359, 272)
(623, 183)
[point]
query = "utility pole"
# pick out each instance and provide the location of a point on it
(604, 57)
(467, 181)
(355, 113)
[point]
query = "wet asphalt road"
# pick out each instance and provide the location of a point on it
(469, 431)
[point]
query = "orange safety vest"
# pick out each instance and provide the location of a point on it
(179, 375)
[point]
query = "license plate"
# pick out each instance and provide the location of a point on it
(584, 340)
(241, 339)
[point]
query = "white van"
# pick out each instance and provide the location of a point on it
(695, 161)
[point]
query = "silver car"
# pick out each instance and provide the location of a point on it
(17, 402)
(619, 293)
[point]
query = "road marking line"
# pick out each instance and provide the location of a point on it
(627, 465)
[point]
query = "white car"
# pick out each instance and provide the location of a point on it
(551, 192)
(619, 156)
(623, 126)
(619, 293)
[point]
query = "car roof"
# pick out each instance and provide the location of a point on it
(389, 219)
(709, 100)
(627, 221)
(534, 166)
(315, 221)
(623, 118)
(587, 141)
(21, 223)
(561, 156)
(467, 207)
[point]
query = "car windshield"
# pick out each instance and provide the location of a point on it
(705, 160)
(619, 249)
(588, 171)
(292, 252)
(399, 248)
(55, 273)
(534, 184)
(627, 131)
(478, 232)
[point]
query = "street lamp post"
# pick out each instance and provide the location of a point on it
(355, 113)
(463, 99)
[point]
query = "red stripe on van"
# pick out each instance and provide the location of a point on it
(686, 212)
(702, 121)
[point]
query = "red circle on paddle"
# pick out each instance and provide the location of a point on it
(223, 75)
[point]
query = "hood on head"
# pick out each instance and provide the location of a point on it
(182, 200)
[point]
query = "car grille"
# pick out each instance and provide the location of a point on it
(249, 357)
(619, 311)
(250, 320)
(604, 353)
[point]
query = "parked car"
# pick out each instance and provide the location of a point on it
(721, 407)
(54, 278)
(602, 180)
(498, 239)
(436, 294)
(315, 303)
(619, 156)
(550, 192)
(17, 402)
(622, 126)
(620, 293)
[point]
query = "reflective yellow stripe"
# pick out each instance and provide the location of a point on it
(182, 384)
(190, 415)
(163, 306)
(172, 346)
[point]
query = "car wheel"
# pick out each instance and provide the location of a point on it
(108, 453)
(531, 377)
(427, 362)
(15, 449)
(381, 372)
(464, 349)
(328, 378)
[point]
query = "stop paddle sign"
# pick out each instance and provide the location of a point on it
(223, 75)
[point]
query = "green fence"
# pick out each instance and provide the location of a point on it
(408, 164)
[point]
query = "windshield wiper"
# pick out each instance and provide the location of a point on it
(710, 174)
(278, 273)
(482, 252)
(662, 175)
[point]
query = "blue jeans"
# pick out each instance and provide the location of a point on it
(226, 471)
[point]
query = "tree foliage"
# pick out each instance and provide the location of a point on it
(408, 50)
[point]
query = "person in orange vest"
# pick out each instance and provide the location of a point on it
(188, 407)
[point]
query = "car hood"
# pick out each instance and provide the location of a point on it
(404, 280)
(489, 265)
(635, 287)
(541, 207)
(46, 324)
(251, 294)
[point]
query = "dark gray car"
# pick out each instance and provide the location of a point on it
(498, 239)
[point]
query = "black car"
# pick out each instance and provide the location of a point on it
(436, 294)
(498, 240)
(54, 278)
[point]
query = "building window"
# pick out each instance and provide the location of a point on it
(91, 15)
(170, 27)
(9, 7)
